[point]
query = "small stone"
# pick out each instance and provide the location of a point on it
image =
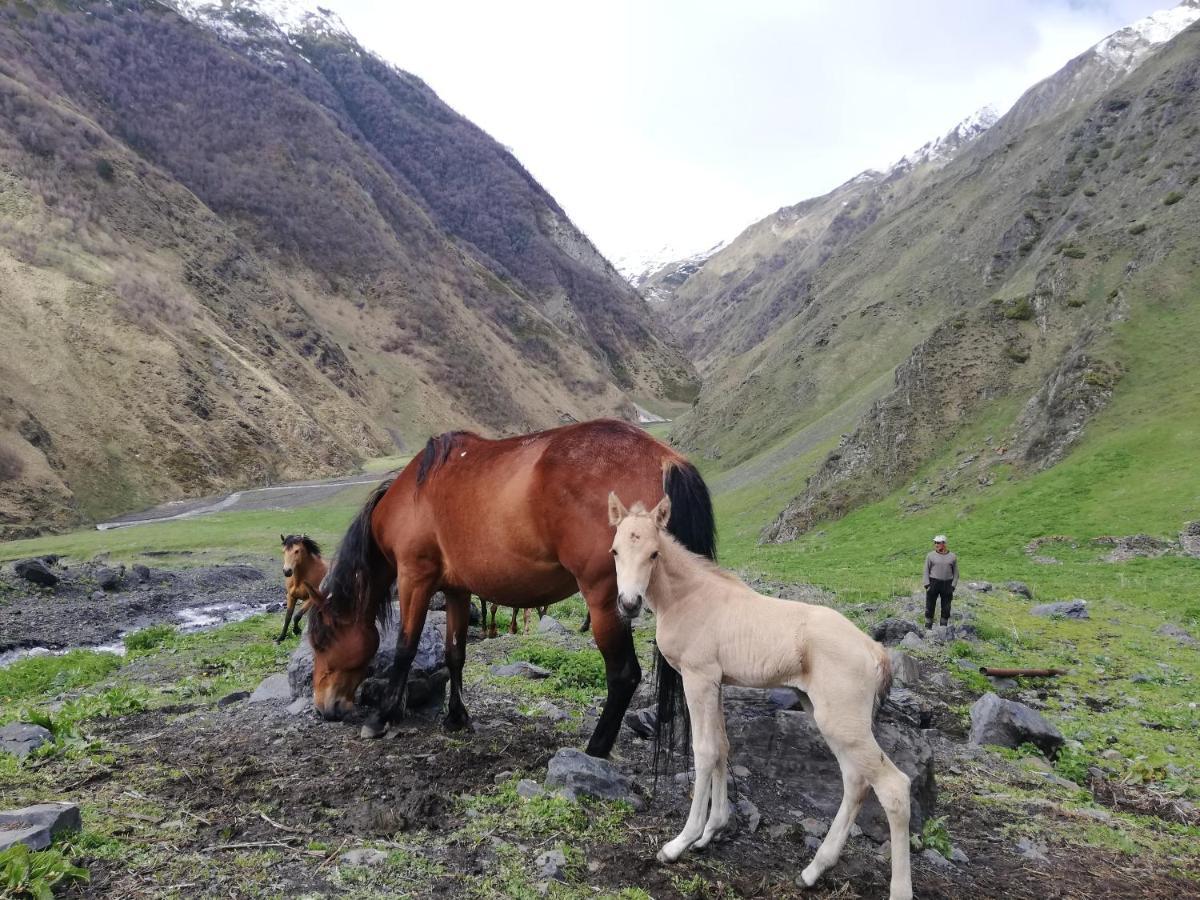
(1179, 634)
(1007, 723)
(110, 579)
(1019, 587)
(36, 826)
(141, 573)
(1065, 609)
(548, 710)
(913, 641)
(1031, 850)
(230, 699)
(35, 571)
(905, 669)
(272, 689)
(529, 789)
(551, 625)
(1140, 679)
(967, 665)
(981, 586)
(1100, 815)
(1111, 754)
(746, 807)
(892, 630)
(364, 856)
(520, 669)
(98, 595)
(815, 827)
(552, 864)
(22, 738)
(740, 771)
(786, 698)
(642, 722)
(777, 831)
(573, 773)
(300, 706)
(935, 859)
(502, 776)
(959, 857)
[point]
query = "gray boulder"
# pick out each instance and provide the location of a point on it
(786, 698)
(1067, 609)
(520, 669)
(22, 738)
(551, 625)
(110, 579)
(913, 641)
(552, 864)
(364, 856)
(1006, 723)
(1178, 634)
(272, 689)
(905, 669)
(907, 708)
(981, 586)
(573, 774)
(141, 573)
(892, 631)
(35, 571)
(642, 722)
(36, 826)
(1019, 587)
(787, 747)
(1189, 539)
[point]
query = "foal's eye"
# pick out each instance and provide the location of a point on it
(614, 553)
(654, 555)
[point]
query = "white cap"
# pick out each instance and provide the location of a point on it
(939, 539)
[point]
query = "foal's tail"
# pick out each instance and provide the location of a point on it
(883, 679)
(693, 525)
(362, 577)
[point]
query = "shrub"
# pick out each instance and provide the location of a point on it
(1138, 228)
(1016, 354)
(146, 298)
(26, 873)
(1172, 198)
(1074, 252)
(105, 169)
(149, 638)
(1021, 309)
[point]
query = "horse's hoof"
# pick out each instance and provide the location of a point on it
(462, 723)
(373, 728)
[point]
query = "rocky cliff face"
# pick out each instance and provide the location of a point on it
(235, 250)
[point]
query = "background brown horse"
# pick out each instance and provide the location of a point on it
(523, 521)
(303, 571)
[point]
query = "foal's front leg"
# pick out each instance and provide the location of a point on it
(720, 811)
(704, 706)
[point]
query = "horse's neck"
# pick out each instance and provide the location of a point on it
(310, 568)
(676, 578)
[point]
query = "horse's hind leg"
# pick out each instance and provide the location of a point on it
(458, 616)
(719, 814)
(864, 766)
(704, 707)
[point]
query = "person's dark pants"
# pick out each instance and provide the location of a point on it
(938, 588)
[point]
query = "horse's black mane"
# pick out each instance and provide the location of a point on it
(309, 544)
(437, 451)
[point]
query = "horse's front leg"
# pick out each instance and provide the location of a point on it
(458, 616)
(414, 604)
(287, 617)
(304, 608)
(615, 642)
(703, 694)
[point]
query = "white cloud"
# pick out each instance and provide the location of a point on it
(682, 122)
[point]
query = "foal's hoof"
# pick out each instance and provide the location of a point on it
(374, 727)
(662, 857)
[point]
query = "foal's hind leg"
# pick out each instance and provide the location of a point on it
(704, 707)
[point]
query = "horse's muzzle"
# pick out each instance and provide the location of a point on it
(629, 606)
(287, 573)
(334, 711)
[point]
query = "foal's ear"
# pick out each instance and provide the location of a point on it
(616, 509)
(662, 512)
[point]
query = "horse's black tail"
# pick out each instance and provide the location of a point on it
(362, 577)
(693, 525)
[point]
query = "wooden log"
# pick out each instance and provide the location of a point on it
(1015, 673)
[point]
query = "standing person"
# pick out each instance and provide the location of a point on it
(941, 578)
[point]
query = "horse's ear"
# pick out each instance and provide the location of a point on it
(283, 540)
(616, 509)
(662, 512)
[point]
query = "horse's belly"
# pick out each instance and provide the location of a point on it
(533, 585)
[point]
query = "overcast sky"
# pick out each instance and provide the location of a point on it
(679, 123)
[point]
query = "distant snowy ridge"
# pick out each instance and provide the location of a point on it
(287, 17)
(1125, 49)
(638, 269)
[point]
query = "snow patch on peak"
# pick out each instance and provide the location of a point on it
(637, 269)
(941, 150)
(1124, 50)
(250, 20)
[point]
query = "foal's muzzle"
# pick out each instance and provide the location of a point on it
(629, 606)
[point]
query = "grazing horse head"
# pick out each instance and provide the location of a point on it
(635, 549)
(343, 648)
(297, 548)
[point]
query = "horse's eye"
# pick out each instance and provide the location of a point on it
(654, 555)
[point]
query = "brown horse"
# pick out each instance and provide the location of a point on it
(303, 571)
(490, 631)
(521, 521)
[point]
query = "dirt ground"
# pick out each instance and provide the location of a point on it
(217, 784)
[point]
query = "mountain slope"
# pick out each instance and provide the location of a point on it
(232, 254)
(992, 294)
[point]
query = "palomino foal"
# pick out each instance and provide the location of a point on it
(715, 630)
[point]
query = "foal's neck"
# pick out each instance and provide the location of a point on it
(675, 578)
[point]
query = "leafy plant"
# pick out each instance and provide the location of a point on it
(1072, 764)
(934, 836)
(1172, 198)
(149, 638)
(29, 873)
